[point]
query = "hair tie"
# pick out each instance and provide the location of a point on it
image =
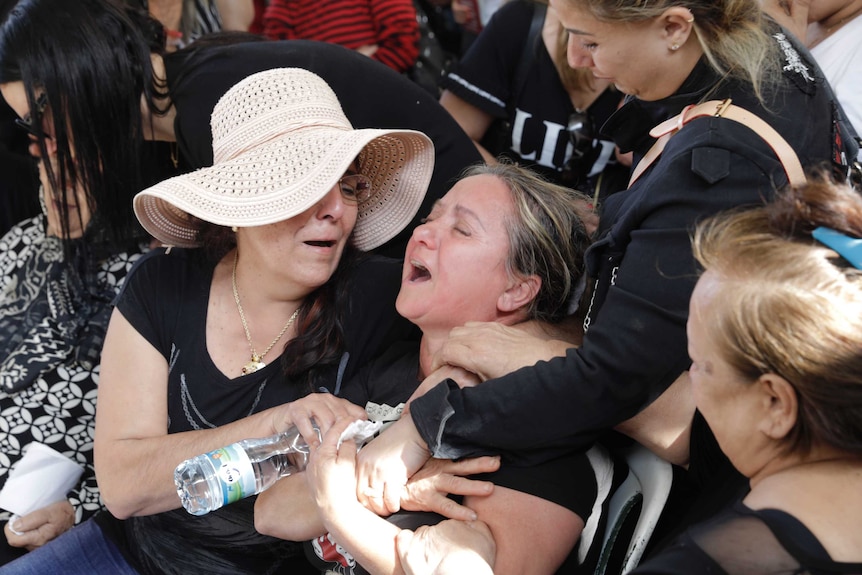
(848, 248)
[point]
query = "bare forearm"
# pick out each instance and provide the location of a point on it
(135, 475)
(287, 511)
(366, 536)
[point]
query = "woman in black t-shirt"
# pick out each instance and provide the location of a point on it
(199, 356)
(515, 96)
(525, 239)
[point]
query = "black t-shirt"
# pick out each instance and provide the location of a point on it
(743, 541)
(538, 112)
(165, 299)
(388, 381)
(371, 94)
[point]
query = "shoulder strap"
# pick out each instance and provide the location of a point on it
(723, 109)
(527, 54)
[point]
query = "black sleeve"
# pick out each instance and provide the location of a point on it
(636, 345)
(569, 481)
(145, 300)
(484, 76)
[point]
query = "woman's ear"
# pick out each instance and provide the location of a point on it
(522, 291)
(677, 23)
(781, 406)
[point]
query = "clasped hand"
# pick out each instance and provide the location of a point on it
(37, 528)
(491, 350)
(332, 475)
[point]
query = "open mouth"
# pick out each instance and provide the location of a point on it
(321, 243)
(419, 272)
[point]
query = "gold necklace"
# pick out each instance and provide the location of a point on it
(256, 361)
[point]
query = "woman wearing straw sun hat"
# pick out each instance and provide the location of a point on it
(207, 347)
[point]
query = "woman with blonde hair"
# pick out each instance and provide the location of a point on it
(776, 350)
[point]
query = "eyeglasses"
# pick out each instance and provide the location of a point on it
(355, 188)
(27, 122)
(580, 129)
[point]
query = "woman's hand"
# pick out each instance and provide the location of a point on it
(324, 408)
(427, 490)
(448, 548)
(385, 465)
(331, 471)
(491, 349)
(40, 526)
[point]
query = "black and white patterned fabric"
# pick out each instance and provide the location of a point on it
(53, 318)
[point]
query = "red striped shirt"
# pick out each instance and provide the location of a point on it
(390, 24)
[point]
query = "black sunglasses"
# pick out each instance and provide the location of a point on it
(580, 129)
(27, 122)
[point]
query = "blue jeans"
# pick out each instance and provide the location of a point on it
(83, 550)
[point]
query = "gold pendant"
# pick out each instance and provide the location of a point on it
(252, 366)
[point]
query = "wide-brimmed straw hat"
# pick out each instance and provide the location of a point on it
(280, 143)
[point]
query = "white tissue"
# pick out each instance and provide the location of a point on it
(360, 431)
(42, 477)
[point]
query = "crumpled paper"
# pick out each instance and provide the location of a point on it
(42, 477)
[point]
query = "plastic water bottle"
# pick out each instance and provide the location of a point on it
(212, 480)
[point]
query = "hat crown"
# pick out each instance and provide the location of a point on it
(271, 104)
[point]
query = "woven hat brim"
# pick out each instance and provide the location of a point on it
(286, 176)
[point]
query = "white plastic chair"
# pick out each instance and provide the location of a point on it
(649, 481)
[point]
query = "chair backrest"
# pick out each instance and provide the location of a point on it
(634, 510)
(591, 537)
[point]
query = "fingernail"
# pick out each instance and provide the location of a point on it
(14, 525)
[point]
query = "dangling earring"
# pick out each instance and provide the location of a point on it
(42, 200)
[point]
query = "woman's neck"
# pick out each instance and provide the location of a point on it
(429, 346)
(159, 127)
(785, 465)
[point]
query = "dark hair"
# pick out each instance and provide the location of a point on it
(91, 58)
(791, 306)
(319, 342)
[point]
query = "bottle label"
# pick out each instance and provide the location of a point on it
(234, 471)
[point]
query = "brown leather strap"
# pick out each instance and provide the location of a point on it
(723, 109)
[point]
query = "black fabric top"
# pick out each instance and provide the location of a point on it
(743, 541)
(538, 112)
(165, 299)
(389, 380)
(372, 95)
(643, 269)
(392, 378)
